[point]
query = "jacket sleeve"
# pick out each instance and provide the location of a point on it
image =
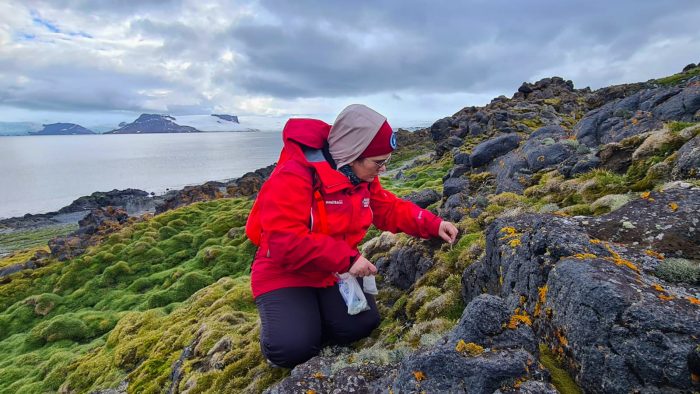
(396, 215)
(285, 214)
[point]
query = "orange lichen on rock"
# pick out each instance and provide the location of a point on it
(509, 231)
(595, 241)
(665, 297)
(562, 338)
(310, 391)
(617, 259)
(419, 375)
(693, 300)
(319, 376)
(653, 254)
(470, 348)
(583, 256)
(519, 318)
(673, 206)
(542, 291)
(658, 287)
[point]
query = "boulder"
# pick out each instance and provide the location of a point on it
(454, 186)
(688, 162)
(404, 266)
(666, 222)
(487, 151)
(616, 326)
(424, 197)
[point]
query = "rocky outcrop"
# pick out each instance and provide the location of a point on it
(482, 354)
(597, 304)
(133, 201)
(667, 222)
(638, 113)
(94, 227)
(246, 186)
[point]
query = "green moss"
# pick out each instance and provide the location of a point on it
(27, 239)
(560, 377)
(679, 270)
(679, 78)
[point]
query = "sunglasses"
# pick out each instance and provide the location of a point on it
(381, 163)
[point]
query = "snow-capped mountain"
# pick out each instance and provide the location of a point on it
(63, 129)
(153, 123)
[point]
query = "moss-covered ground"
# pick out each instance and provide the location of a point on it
(21, 240)
(128, 307)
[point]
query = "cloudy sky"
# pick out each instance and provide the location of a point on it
(98, 62)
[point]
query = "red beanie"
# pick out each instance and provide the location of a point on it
(383, 142)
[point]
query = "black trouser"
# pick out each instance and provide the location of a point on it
(297, 321)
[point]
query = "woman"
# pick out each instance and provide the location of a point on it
(313, 211)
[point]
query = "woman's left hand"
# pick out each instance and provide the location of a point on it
(448, 231)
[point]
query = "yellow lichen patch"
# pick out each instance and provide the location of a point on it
(310, 391)
(519, 318)
(514, 243)
(562, 338)
(542, 291)
(470, 348)
(653, 254)
(523, 299)
(665, 297)
(319, 376)
(583, 256)
(673, 206)
(658, 287)
(618, 260)
(595, 241)
(693, 300)
(645, 195)
(508, 231)
(419, 375)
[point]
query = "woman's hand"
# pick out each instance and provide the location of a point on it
(448, 231)
(362, 267)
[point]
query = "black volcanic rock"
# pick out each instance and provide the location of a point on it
(63, 129)
(152, 123)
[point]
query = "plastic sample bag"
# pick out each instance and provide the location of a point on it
(352, 294)
(369, 285)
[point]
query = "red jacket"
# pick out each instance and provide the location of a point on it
(293, 251)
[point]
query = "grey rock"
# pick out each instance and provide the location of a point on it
(688, 161)
(454, 141)
(585, 164)
(404, 266)
(593, 301)
(423, 198)
(657, 226)
(462, 158)
(440, 129)
(454, 186)
(544, 156)
(487, 151)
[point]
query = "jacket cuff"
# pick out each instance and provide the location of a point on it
(434, 226)
(353, 259)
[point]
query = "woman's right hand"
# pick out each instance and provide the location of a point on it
(362, 267)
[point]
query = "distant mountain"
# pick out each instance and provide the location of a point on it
(19, 128)
(153, 123)
(62, 129)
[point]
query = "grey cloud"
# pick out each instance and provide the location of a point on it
(439, 46)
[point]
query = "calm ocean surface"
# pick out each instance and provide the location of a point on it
(40, 174)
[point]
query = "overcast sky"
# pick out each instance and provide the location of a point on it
(100, 62)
